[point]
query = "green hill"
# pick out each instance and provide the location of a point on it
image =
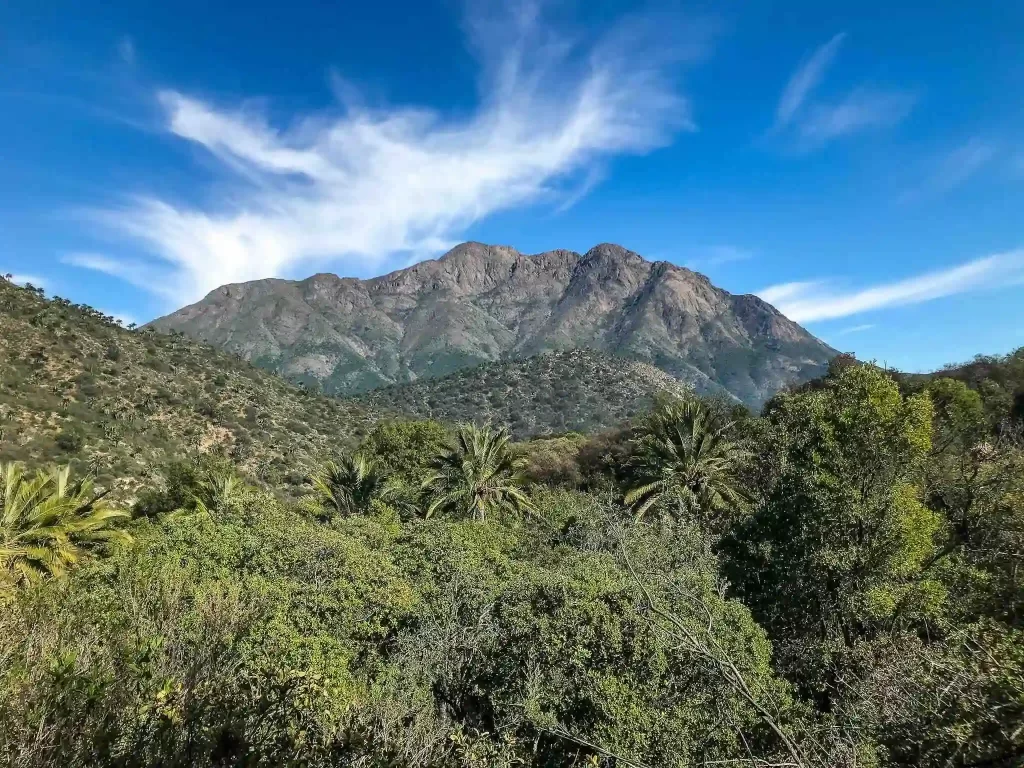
(578, 391)
(76, 387)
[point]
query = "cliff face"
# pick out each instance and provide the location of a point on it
(480, 303)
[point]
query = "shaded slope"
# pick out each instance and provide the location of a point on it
(578, 391)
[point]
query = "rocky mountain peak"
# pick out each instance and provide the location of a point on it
(480, 303)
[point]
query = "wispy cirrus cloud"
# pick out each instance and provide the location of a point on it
(805, 79)
(814, 123)
(815, 300)
(126, 50)
(855, 329)
(717, 256)
(955, 168)
(860, 109)
(139, 274)
(359, 188)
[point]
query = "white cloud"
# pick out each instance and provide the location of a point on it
(814, 123)
(727, 254)
(855, 329)
(859, 110)
(718, 255)
(362, 187)
(956, 167)
(134, 272)
(126, 50)
(809, 301)
(805, 80)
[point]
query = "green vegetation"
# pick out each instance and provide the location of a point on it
(47, 523)
(836, 582)
(478, 478)
(685, 460)
(574, 391)
(77, 388)
(348, 485)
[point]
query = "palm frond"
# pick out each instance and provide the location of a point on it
(48, 524)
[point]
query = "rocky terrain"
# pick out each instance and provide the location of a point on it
(481, 303)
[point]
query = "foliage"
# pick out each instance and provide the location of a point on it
(399, 447)
(479, 477)
(347, 485)
(835, 583)
(161, 398)
(48, 523)
(685, 464)
(838, 548)
(576, 390)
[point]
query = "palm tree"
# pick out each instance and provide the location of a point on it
(685, 457)
(216, 492)
(478, 476)
(47, 524)
(348, 485)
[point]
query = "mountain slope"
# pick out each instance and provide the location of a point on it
(76, 387)
(481, 303)
(578, 390)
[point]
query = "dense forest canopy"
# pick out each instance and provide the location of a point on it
(836, 581)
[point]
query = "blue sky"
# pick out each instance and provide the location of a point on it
(860, 164)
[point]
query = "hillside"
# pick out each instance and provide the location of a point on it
(74, 386)
(578, 391)
(998, 378)
(481, 303)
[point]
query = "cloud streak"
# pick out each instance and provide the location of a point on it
(718, 255)
(358, 187)
(859, 110)
(805, 79)
(811, 301)
(813, 124)
(855, 329)
(956, 167)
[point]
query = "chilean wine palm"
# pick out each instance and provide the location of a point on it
(348, 485)
(479, 476)
(685, 459)
(47, 524)
(216, 493)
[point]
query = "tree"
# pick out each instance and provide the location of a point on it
(348, 485)
(684, 460)
(48, 523)
(479, 476)
(403, 448)
(217, 491)
(975, 480)
(838, 552)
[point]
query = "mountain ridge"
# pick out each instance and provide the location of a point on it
(481, 303)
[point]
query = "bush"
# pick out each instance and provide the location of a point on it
(70, 440)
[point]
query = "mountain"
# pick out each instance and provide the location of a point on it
(481, 303)
(577, 390)
(75, 387)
